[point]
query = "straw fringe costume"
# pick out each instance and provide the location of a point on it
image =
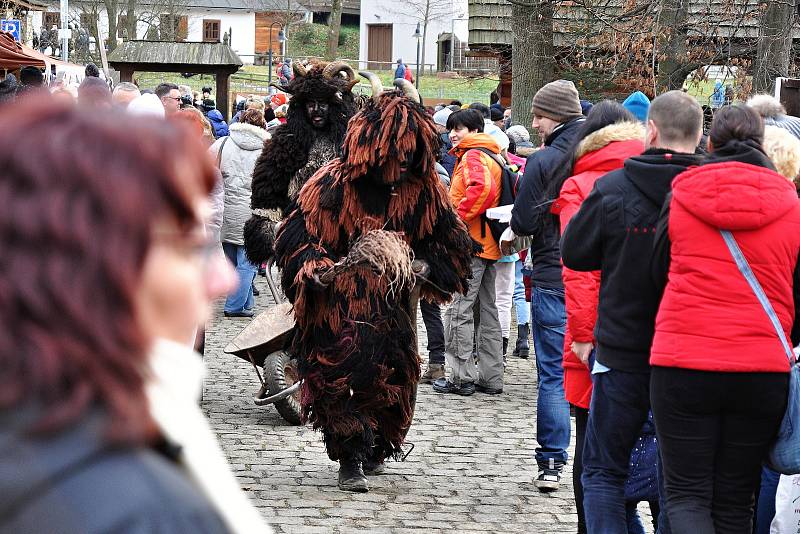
(297, 149)
(354, 338)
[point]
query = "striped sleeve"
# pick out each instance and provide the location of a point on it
(481, 190)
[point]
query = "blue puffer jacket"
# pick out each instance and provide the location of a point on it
(218, 123)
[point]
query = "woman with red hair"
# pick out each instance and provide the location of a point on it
(104, 277)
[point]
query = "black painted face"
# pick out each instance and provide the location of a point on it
(317, 113)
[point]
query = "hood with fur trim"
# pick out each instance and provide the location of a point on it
(628, 137)
(248, 136)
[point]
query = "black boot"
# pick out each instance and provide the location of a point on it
(505, 345)
(351, 477)
(523, 347)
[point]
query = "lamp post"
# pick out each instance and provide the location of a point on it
(418, 37)
(281, 39)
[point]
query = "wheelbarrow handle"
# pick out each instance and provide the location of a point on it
(284, 393)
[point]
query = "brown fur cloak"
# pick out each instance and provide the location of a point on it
(354, 339)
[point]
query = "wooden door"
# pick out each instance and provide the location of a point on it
(379, 46)
(790, 96)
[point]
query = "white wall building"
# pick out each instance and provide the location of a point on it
(388, 26)
(245, 21)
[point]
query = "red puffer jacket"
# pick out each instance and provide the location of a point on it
(599, 153)
(709, 318)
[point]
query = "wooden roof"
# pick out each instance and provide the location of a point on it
(490, 20)
(157, 56)
(351, 7)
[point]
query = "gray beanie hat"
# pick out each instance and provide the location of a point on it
(557, 100)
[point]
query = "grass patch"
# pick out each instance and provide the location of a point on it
(311, 40)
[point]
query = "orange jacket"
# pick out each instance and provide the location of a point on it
(475, 187)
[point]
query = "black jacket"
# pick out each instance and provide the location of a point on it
(531, 206)
(614, 232)
(73, 483)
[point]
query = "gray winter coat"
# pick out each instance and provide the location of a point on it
(239, 154)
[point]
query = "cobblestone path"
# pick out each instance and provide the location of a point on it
(471, 470)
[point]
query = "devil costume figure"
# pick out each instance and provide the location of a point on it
(321, 104)
(354, 338)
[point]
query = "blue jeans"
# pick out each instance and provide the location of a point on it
(552, 410)
(242, 298)
(619, 408)
(521, 305)
(765, 505)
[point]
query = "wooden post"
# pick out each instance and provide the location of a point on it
(126, 74)
(223, 84)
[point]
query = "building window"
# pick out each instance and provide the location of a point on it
(211, 31)
(52, 19)
(122, 27)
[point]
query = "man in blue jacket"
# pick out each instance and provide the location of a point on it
(400, 72)
(557, 116)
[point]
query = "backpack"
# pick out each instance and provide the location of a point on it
(509, 182)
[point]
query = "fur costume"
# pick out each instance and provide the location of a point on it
(297, 149)
(354, 339)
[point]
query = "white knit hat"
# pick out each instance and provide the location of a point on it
(147, 104)
(440, 117)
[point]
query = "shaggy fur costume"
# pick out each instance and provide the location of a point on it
(295, 152)
(354, 339)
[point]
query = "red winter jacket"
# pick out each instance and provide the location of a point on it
(599, 153)
(709, 318)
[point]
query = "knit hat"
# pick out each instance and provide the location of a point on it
(440, 117)
(638, 104)
(519, 134)
(146, 105)
(558, 101)
(495, 114)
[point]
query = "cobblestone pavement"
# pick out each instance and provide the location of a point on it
(471, 470)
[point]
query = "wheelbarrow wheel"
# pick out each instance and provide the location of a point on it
(280, 372)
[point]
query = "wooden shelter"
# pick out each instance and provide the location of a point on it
(218, 59)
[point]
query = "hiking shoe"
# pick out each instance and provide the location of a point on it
(549, 478)
(443, 385)
(480, 388)
(434, 372)
(351, 476)
(523, 348)
(372, 468)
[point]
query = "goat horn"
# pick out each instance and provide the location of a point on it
(299, 68)
(408, 89)
(374, 81)
(332, 69)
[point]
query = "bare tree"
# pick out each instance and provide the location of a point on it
(334, 25)
(773, 54)
(533, 63)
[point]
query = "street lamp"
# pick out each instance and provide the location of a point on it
(281, 38)
(418, 37)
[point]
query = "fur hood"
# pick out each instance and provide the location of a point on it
(621, 131)
(248, 136)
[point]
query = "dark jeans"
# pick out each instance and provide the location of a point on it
(634, 523)
(432, 317)
(714, 430)
(548, 321)
(619, 408)
(765, 503)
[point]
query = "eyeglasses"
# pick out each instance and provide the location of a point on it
(175, 98)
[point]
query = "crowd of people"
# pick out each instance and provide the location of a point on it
(619, 260)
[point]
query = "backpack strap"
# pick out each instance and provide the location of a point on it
(496, 157)
(219, 152)
(747, 272)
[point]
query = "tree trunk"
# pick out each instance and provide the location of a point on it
(421, 68)
(774, 44)
(111, 13)
(131, 20)
(533, 64)
(334, 25)
(671, 49)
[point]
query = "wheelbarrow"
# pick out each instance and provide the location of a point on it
(262, 344)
